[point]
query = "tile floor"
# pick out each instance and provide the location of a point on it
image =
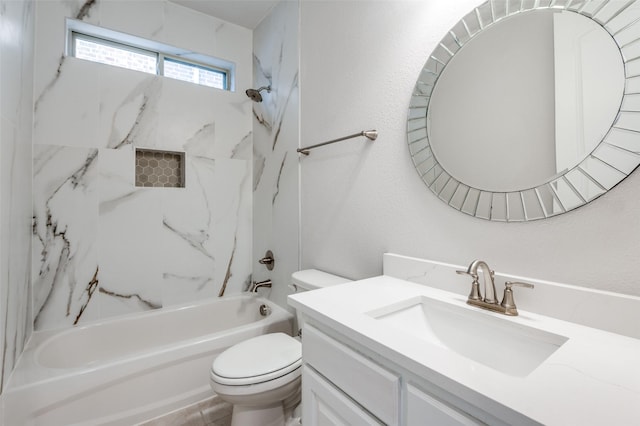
(208, 412)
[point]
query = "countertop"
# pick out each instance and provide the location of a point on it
(592, 379)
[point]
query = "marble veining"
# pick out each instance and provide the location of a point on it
(228, 274)
(281, 114)
(197, 144)
(85, 10)
(48, 87)
(135, 110)
(107, 206)
(277, 191)
(263, 72)
(275, 138)
(240, 151)
(146, 303)
(64, 252)
(196, 240)
(261, 119)
(259, 163)
(103, 247)
(200, 281)
(92, 285)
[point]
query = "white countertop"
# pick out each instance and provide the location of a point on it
(592, 379)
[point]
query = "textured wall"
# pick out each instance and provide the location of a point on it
(276, 134)
(101, 246)
(16, 117)
(361, 199)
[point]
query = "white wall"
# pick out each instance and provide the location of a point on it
(359, 63)
(16, 120)
(103, 247)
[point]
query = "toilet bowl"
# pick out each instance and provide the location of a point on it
(261, 376)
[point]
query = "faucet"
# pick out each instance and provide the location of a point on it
(256, 285)
(489, 284)
(489, 302)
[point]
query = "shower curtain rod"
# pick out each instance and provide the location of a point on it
(369, 134)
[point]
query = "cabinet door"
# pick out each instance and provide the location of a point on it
(425, 410)
(325, 405)
(367, 383)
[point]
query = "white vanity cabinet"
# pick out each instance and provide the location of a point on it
(341, 386)
(361, 388)
(326, 405)
(403, 353)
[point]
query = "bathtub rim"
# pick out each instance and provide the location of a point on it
(148, 315)
(28, 372)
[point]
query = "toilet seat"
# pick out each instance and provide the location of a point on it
(258, 360)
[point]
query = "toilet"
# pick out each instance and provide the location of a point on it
(261, 376)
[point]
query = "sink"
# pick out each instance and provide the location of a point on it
(498, 343)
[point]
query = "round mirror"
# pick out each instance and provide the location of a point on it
(523, 113)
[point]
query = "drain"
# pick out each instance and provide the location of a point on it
(265, 310)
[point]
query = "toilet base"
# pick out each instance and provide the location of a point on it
(269, 408)
(275, 414)
(271, 415)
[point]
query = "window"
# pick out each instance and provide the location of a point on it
(104, 46)
(97, 50)
(194, 73)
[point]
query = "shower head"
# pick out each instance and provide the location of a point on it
(255, 95)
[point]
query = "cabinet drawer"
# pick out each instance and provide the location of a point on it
(326, 405)
(370, 385)
(424, 410)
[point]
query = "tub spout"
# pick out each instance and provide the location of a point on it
(256, 285)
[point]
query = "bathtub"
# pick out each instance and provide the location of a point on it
(127, 370)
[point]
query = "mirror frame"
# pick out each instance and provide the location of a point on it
(610, 162)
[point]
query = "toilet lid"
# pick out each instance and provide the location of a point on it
(264, 358)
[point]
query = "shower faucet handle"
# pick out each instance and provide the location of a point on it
(268, 260)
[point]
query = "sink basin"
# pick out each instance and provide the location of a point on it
(498, 343)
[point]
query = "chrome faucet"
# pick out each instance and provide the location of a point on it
(507, 306)
(256, 285)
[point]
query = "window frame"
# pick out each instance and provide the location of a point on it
(179, 60)
(81, 30)
(75, 35)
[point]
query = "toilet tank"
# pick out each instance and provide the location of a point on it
(312, 279)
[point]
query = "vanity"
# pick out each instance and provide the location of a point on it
(405, 348)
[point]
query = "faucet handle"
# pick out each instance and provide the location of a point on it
(508, 303)
(475, 286)
(509, 284)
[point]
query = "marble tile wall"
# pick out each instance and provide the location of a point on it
(276, 136)
(16, 116)
(103, 247)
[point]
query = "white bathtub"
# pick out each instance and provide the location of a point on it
(130, 369)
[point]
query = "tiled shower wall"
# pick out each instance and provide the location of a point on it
(16, 117)
(276, 129)
(103, 247)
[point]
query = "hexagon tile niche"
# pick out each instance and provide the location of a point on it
(160, 169)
